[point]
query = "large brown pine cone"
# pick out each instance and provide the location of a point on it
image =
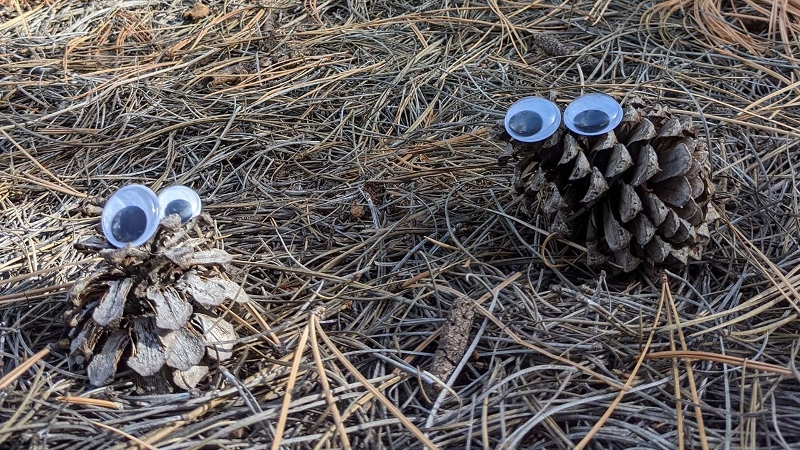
(153, 309)
(639, 193)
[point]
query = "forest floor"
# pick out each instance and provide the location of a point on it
(346, 154)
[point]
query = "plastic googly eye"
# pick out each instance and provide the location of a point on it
(593, 114)
(532, 119)
(179, 200)
(130, 216)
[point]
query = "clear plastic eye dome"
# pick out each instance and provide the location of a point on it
(532, 119)
(179, 200)
(130, 216)
(593, 114)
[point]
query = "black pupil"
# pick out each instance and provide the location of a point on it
(180, 207)
(591, 120)
(129, 224)
(525, 123)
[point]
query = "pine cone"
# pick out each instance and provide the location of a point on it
(639, 192)
(154, 309)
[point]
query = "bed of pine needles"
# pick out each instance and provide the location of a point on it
(345, 152)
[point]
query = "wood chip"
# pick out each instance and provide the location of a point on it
(104, 364)
(629, 203)
(148, 353)
(189, 379)
(218, 335)
(172, 310)
(597, 187)
(582, 167)
(675, 191)
(655, 209)
(617, 237)
(673, 162)
(646, 165)
(619, 162)
(184, 349)
(109, 311)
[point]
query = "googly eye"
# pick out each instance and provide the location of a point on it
(593, 114)
(130, 216)
(179, 200)
(532, 119)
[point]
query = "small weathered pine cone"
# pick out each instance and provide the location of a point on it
(153, 309)
(638, 193)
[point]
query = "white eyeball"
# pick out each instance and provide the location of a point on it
(532, 119)
(593, 114)
(130, 216)
(179, 200)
